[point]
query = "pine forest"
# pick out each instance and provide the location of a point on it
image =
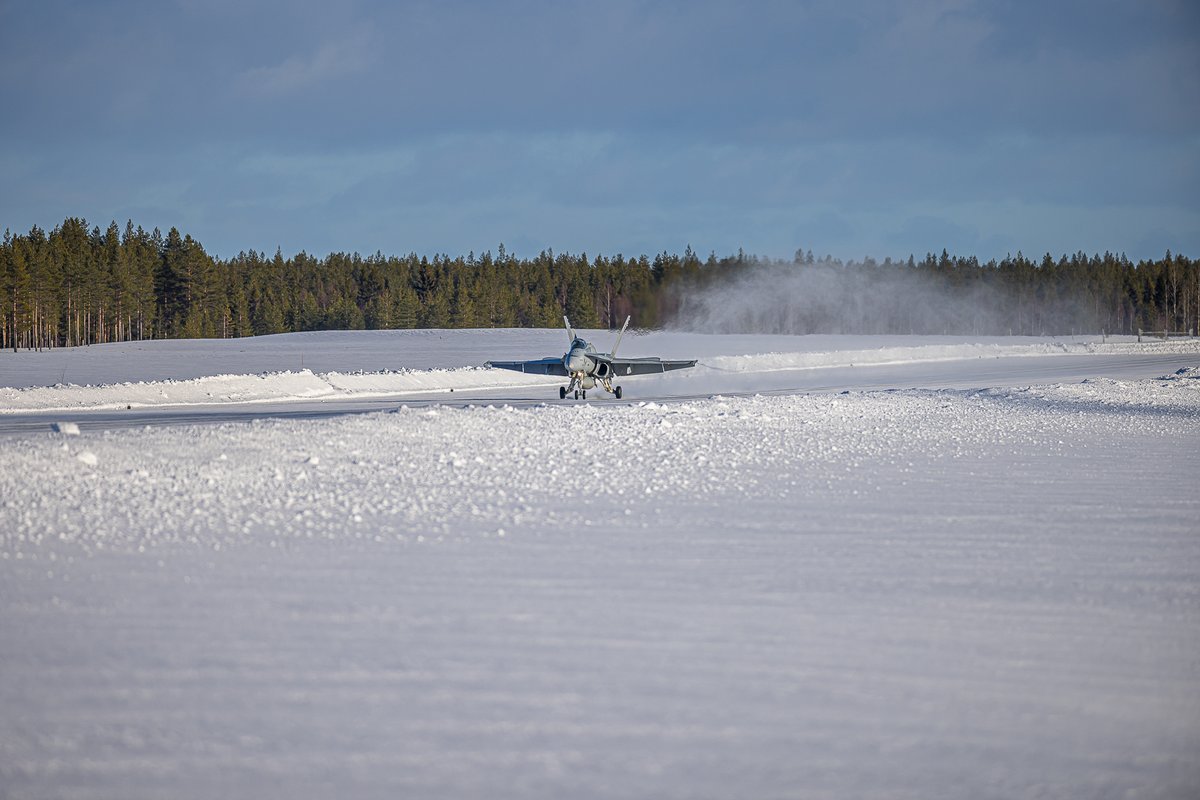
(78, 286)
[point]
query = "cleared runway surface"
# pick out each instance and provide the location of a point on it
(674, 387)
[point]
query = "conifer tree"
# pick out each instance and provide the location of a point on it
(406, 308)
(462, 309)
(16, 289)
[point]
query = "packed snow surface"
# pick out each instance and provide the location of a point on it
(915, 593)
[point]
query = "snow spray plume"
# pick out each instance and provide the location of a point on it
(863, 298)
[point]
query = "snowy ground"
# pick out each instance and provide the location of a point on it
(987, 591)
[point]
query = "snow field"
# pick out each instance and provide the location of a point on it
(886, 594)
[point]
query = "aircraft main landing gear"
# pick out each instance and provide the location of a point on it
(562, 393)
(617, 392)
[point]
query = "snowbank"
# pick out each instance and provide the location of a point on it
(274, 387)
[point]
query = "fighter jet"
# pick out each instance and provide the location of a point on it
(586, 368)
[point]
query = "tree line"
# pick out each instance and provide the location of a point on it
(77, 285)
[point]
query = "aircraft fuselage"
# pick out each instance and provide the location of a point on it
(578, 365)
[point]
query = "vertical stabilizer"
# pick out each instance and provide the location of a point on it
(570, 330)
(619, 335)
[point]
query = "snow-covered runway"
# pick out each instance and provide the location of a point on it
(187, 382)
(902, 592)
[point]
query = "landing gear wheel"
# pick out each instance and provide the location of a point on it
(562, 393)
(576, 394)
(585, 394)
(618, 392)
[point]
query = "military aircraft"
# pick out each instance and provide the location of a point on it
(586, 368)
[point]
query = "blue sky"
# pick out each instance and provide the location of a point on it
(872, 128)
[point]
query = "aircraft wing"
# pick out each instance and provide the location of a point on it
(640, 366)
(543, 366)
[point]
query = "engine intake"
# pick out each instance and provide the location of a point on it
(603, 370)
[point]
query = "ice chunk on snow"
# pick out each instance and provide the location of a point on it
(65, 428)
(89, 458)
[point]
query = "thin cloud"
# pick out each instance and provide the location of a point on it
(297, 73)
